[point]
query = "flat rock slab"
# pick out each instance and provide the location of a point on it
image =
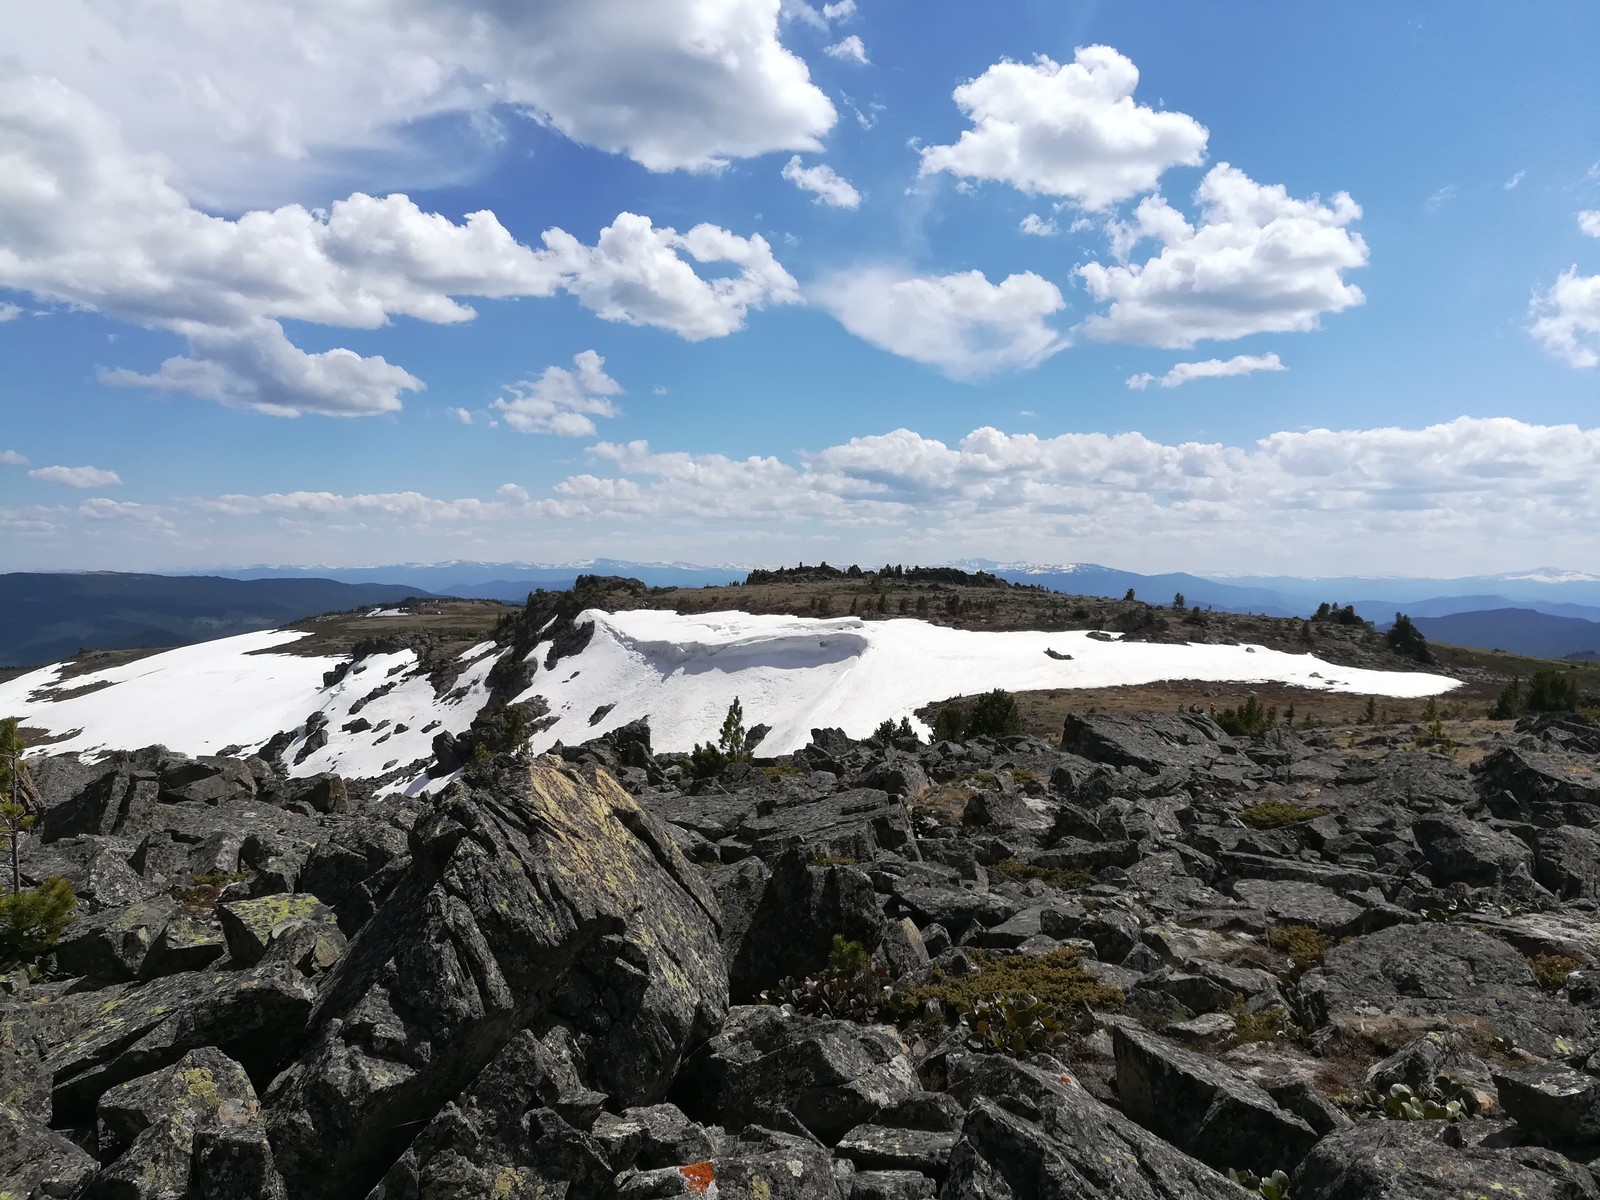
(1204, 1108)
(1032, 1133)
(1411, 1160)
(1431, 972)
(1298, 903)
(1552, 1102)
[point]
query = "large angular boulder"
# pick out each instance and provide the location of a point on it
(1033, 1134)
(858, 824)
(781, 920)
(510, 1129)
(537, 896)
(831, 1075)
(1420, 1160)
(1430, 973)
(1151, 742)
(1204, 1108)
(1552, 1102)
(113, 946)
(93, 1041)
(1461, 850)
(36, 1160)
(192, 1129)
(1525, 784)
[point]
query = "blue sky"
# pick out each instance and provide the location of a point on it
(1305, 291)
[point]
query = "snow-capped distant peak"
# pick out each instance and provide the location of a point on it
(1551, 575)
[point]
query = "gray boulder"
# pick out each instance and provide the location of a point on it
(1553, 1102)
(831, 1075)
(1204, 1108)
(1421, 1160)
(1425, 974)
(539, 897)
(1033, 1134)
(189, 1130)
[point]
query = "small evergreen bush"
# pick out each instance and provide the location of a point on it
(32, 922)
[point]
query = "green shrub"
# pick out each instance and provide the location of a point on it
(32, 922)
(1274, 814)
(1548, 691)
(1304, 945)
(950, 724)
(1250, 719)
(1551, 970)
(1056, 877)
(708, 760)
(1056, 979)
(994, 714)
(1405, 638)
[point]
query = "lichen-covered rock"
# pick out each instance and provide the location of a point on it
(1552, 1102)
(1428, 973)
(112, 946)
(1204, 1108)
(1422, 1160)
(95, 1040)
(249, 925)
(831, 1075)
(1032, 1134)
(536, 897)
(763, 1164)
(150, 1136)
(36, 1160)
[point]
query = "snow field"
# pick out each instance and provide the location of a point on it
(196, 699)
(680, 671)
(797, 673)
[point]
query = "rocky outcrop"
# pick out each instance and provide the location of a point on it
(534, 897)
(992, 970)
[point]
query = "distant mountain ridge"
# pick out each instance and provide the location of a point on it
(107, 610)
(1516, 630)
(48, 616)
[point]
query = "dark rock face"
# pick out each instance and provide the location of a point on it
(1417, 1160)
(538, 896)
(781, 921)
(831, 1075)
(1203, 1108)
(1030, 1133)
(191, 1129)
(1115, 969)
(1152, 743)
(1427, 972)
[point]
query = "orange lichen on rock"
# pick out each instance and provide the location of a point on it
(700, 1177)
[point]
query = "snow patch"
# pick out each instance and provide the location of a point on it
(797, 673)
(196, 699)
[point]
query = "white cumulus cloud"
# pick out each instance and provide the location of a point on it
(10, 458)
(284, 93)
(1069, 130)
(9, 312)
(1257, 261)
(1037, 226)
(560, 401)
(961, 324)
(78, 477)
(848, 49)
(88, 222)
(1589, 222)
(1567, 318)
(1211, 368)
(830, 187)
